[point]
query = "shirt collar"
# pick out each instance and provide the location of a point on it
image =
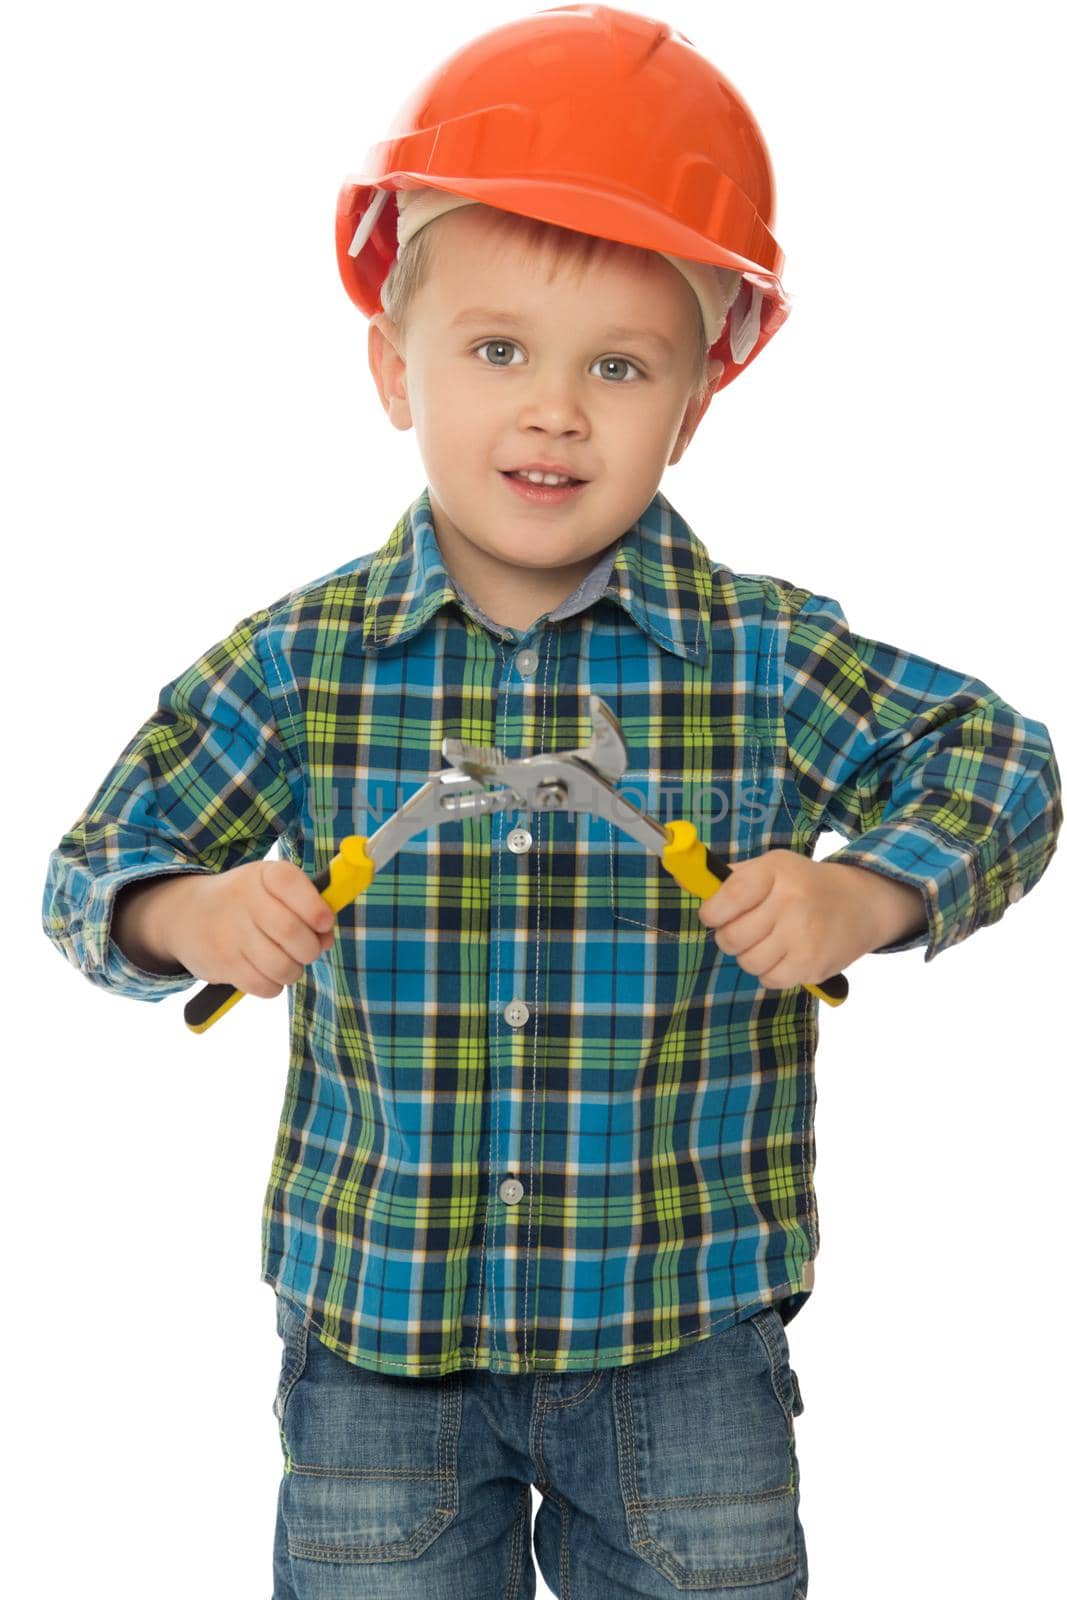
(661, 576)
(591, 588)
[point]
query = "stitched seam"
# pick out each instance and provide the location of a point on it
(361, 1474)
(637, 1529)
(763, 713)
(294, 722)
(728, 1318)
(777, 1358)
(517, 1553)
(613, 864)
(398, 1550)
(581, 1395)
(563, 1507)
(783, 625)
(614, 834)
(496, 1017)
(806, 1000)
(548, 641)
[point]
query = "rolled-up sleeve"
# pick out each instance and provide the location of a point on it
(204, 785)
(934, 779)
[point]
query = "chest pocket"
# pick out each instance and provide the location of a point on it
(731, 814)
(644, 897)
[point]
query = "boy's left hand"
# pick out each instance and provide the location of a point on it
(790, 920)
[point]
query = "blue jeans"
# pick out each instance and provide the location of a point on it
(667, 1476)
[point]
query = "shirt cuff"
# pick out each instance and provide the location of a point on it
(105, 963)
(915, 853)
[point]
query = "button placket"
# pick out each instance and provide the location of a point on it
(515, 1013)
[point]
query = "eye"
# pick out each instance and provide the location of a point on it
(621, 361)
(496, 344)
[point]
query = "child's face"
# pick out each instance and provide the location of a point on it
(548, 394)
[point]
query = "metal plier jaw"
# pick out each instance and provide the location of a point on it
(480, 780)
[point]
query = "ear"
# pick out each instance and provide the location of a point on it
(385, 355)
(694, 411)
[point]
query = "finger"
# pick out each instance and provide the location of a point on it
(711, 910)
(289, 930)
(763, 958)
(749, 884)
(722, 906)
(781, 974)
(295, 890)
(275, 959)
(250, 979)
(739, 935)
(313, 908)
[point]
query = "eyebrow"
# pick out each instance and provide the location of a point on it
(486, 315)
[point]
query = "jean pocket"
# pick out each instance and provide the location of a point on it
(707, 1467)
(770, 1329)
(294, 1335)
(371, 1469)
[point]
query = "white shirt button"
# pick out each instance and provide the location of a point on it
(511, 1191)
(516, 1013)
(519, 841)
(1015, 893)
(526, 662)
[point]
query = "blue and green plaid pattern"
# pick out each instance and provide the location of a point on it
(621, 1162)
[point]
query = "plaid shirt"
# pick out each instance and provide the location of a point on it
(534, 1119)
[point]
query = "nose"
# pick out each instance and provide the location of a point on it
(553, 405)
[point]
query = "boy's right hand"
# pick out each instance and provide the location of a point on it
(256, 926)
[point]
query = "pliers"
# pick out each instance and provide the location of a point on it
(480, 780)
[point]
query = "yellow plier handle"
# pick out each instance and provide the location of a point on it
(686, 859)
(347, 875)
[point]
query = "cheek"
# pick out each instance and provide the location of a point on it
(641, 453)
(457, 407)
(446, 427)
(645, 425)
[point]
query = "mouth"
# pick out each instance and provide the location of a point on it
(543, 494)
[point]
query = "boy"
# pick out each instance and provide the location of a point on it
(541, 1201)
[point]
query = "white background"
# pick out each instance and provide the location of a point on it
(192, 430)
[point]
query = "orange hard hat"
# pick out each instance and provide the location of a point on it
(594, 119)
